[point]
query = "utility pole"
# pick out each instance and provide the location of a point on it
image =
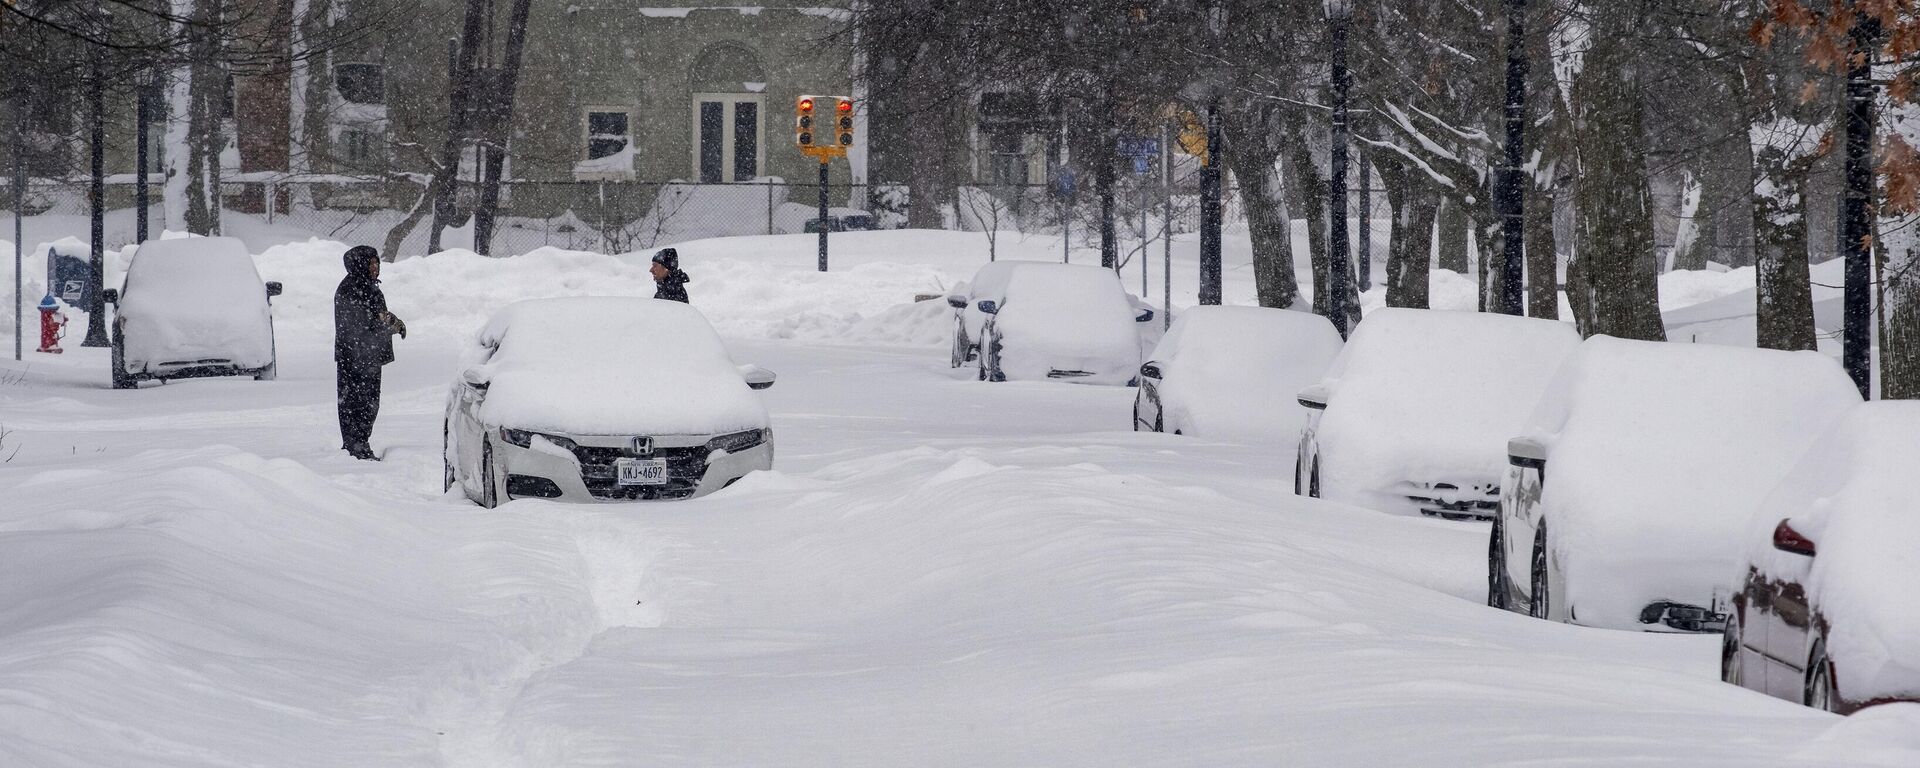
(96, 199)
(1857, 210)
(1511, 196)
(1210, 207)
(19, 206)
(1338, 14)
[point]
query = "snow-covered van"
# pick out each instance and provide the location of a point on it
(192, 307)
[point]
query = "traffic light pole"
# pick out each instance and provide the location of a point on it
(823, 214)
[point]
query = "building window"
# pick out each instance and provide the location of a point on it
(362, 149)
(1012, 139)
(360, 83)
(607, 133)
(726, 137)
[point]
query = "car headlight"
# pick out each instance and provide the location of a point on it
(738, 441)
(524, 438)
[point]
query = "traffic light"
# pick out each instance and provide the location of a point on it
(803, 122)
(843, 122)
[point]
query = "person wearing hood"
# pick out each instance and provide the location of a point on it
(363, 333)
(667, 274)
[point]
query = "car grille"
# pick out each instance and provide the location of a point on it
(685, 468)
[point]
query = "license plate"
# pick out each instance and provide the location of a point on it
(642, 471)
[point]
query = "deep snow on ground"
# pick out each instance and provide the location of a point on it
(939, 572)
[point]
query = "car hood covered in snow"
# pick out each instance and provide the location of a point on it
(610, 366)
(1424, 396)
(196, 298)
(1232, 371)
(1659, 453)
(1852, 494)
(1061, 317)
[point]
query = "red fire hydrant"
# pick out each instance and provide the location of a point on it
(53, 325)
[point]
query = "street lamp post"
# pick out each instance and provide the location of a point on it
(1339, 12)
(1211, 171)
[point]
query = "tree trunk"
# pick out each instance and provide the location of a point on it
(1784, 296)
(1302, 176)
(1900, 341)
(1410, 244)
(1613, 230)
(1269, 227)
(1488, 251)
(1543, 290)
(1453, 237)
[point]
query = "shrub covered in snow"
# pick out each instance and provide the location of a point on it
(1657, 456)
(1232, 371)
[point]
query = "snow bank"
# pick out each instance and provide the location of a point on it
(610, 366)
(1852, 494)
(1427, 396)
(1232, 371)
(195, 299)
(1659, 453)
(1069, 318)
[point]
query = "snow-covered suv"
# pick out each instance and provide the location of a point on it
(1062, 321)
(602, 399)
(192, 307)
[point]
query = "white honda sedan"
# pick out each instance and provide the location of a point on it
(602, 399)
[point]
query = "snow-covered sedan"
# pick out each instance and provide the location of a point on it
(1826, 616)
(602, 399)
(1226, 372)
(192, 307)
(1415, 411)
(1631, 486)
(988, 284)
(1062, 321)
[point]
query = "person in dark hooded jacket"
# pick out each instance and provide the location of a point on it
(363, 333)
(667, 274)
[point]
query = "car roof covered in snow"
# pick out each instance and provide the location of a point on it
(610, 365)
(1660, 452)
(1853, 495)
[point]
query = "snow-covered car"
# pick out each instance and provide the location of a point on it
(602, 399)
(1226, 372)
(988, 284)
(1061, 321)
(1629, 490)
(1826, 615)
(192, 307)
(1414, 412)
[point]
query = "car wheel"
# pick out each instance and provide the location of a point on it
(446, 458)
(1819, 691)
(121, 380)
(1731, 664)
(489, 488)
(268, 373)
(1313, 478)
(1539, 602)
(1299, 481)
(1497, 596)
(959, 356)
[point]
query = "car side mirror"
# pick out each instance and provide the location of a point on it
(957, 301)
(1144, 316)
(1527, 452)
(273, 289)
(1786, 539)
(1315, 396)
(1150, 371)
(475, 377)
(110, 296)
(989, 307)
(757, 377)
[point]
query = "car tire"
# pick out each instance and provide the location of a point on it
(1497, 594)
(1732, 663)
(446, 458)
(1299, 479)
(121, 379)
(1819, 692)
(489, 484)
(1313, 478)
(268, 373)
(1539, 597)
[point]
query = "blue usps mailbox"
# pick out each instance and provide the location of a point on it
(67, 274)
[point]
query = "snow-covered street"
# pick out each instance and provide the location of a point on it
(938, 572)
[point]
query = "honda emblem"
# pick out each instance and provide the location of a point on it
(643, 446)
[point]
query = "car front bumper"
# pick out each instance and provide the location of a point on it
(546, 470)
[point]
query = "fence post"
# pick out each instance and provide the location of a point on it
(769, 207)
(273, 199)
